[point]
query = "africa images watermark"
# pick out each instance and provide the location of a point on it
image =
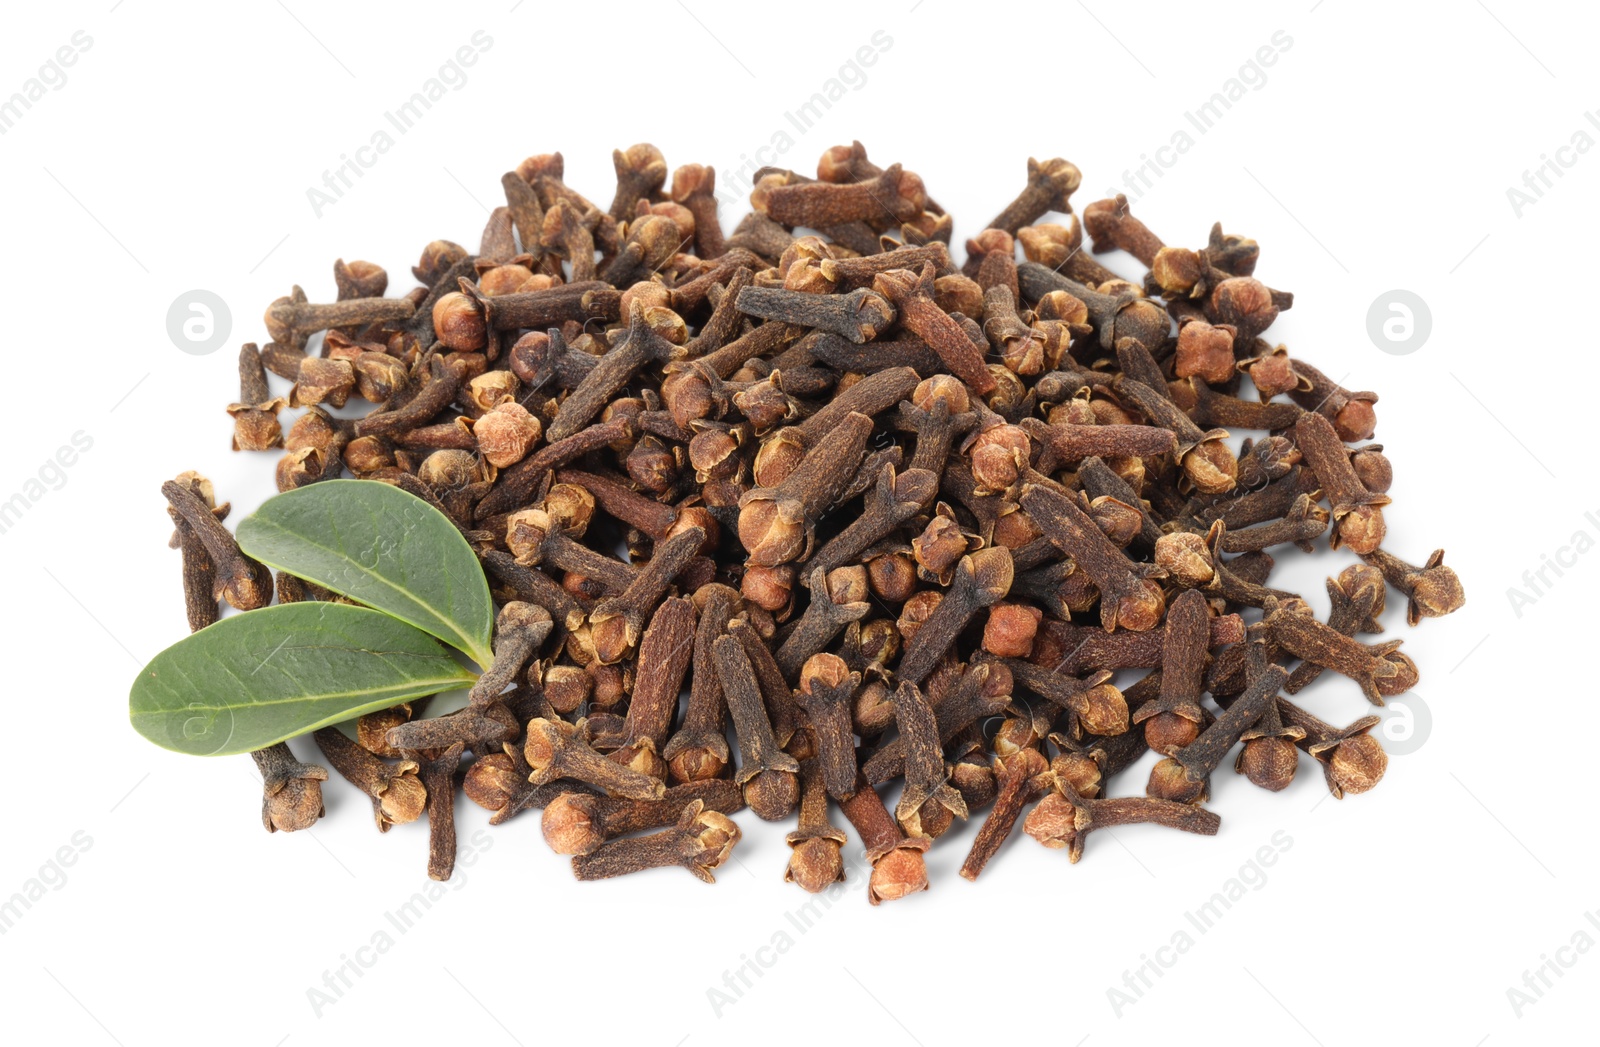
(801, 919)
(1537, 582)
(1252, 876)
(1551, 969)
(51, 476)
(52, 76)
(401, 919)
(52, 876)
(1553, 168)
(1252, 76)
(734, 185)
(452, 76)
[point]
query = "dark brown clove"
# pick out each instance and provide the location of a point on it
(827, 688)
(859, 315)
(700, 842)
(816, 861)
(580, 823)
(769, 776)
(255, 416)
(777, 524)
(899, 868)
(1380, 669)
(928, 801)
(982, 579)
(397, 793)
(241, 580)
(1172, 720)
(1050, 187)
(291, 791)
(555, 750)
(1065, 819)
(1357, 513)
(912, 294)
(617, 621)
(1128, 595)
(699, 750)
(1023, 777)
(1431, 591)
(665, 653)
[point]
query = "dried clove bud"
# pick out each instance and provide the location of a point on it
(700, 842)
(938, 477)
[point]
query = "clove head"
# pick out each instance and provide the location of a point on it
(992, 572)
(1187, 558)
(942, 388)
(1079, 771)
(526, 533)
(1360, 583)
(1435, 590)
(372, 730)
(492, 780)
(871, 313)
(1404, 677)
(940, 546)
(816, 863)
(1272, 373)
(697, 764)
(1372, 468)
(1143, 321)
(1101, 710)
(769, 588)
(1244, 303)
(642, 162)
(1361, 529)
(1139, 610)
(1206, 352)
(297, 805)
(437, 258)
(571, 824)
(359, 279)
(874, 710)
(693, 180)
(772, 530)
(1167, 732)
(772, 793)
(291, 797)
(710, 837)
(1116, 519)
(1269, 762)
(1010, 630)
(1053, 821)
(506, 434)
(1178, 272)
(1356, 420)
(547, 739)
(1211, 467)
(1357, 764)
(999, 455)
(402, 797)
(902, 871)
(1169, 781)
(459, 323)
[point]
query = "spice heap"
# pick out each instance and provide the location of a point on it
(977, 528)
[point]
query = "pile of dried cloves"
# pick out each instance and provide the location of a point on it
(978, 528)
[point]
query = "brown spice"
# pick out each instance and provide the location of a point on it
(847, 490)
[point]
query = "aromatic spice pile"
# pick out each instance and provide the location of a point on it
(975, 529)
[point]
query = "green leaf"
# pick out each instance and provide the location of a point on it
(257, 678)
(382, 547)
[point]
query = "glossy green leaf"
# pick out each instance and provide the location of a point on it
(382, 547)
(257, 678)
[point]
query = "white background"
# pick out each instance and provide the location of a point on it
(1377, 155)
